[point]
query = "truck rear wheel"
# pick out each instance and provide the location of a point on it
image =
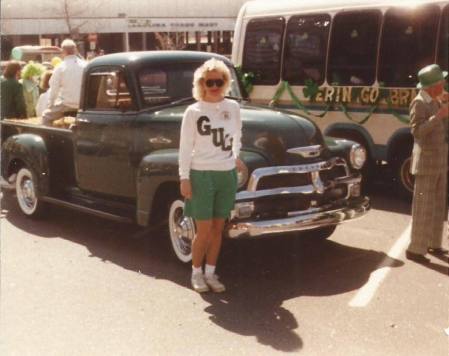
(182, 231)
(27, 195)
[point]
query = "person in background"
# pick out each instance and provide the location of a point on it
(65, 84)
(42, 102)
(430, 129)
(30, 85)
(12, 100)
(210, 143)
(56, 61)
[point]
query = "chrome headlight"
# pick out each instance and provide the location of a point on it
(242, 177)
(357, 156)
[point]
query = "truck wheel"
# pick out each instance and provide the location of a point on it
(321, 233)
(27, 196)
(405, 181)
(182, 231)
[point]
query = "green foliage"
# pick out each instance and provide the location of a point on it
(246, 78)
(32, 70)
(311, 89)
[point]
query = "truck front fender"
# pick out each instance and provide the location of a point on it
(155, 169)
(31, 150)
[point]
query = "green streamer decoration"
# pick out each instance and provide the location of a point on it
(311, 90)
(401, 118)
(361, 122)
(286, 86)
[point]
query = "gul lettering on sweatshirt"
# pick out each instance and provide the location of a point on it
(210, 137)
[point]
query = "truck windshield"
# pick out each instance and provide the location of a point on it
(164, 84)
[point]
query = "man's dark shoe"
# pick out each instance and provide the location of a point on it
(416, 257)
(439, 251)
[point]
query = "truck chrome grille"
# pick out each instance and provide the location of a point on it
(280, 206)
(276, 192)
(284, 180)
(334, 172)
(314, 175)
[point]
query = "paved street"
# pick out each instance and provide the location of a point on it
(78, 285)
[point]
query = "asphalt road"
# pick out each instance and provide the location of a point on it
(78, 285)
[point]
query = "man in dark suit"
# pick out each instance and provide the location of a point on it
(429, 126)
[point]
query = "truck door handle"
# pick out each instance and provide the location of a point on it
(84, 121)
(159, 140)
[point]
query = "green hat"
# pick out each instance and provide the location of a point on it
(430, 75)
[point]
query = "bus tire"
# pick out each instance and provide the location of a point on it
(404, 180)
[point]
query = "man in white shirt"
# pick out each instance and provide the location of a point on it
(65, 84)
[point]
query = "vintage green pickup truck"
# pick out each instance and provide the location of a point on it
(118, 158)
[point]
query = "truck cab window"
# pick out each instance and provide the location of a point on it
(108, 91)
(153, 84)
(408, 44)
(306, 48)
(263, 47)
(443, 45)
(352, 55)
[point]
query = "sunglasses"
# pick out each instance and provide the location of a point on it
(217, 82)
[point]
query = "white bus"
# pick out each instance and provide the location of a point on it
(349, 65)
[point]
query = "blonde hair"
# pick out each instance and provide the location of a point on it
(210, 65)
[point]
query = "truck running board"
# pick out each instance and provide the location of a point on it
(87, 210)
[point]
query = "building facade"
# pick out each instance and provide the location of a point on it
(115, 25)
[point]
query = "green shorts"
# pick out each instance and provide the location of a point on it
(213, 194)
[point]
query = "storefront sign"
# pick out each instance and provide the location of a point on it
(179, 25)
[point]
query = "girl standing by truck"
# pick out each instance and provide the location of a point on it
(208, 157)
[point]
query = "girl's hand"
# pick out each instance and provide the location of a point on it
(240, 165)
(186, 188)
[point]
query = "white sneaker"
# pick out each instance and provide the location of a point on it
(198, 283)
(214, 284)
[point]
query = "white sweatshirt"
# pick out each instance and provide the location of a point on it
(210, 137)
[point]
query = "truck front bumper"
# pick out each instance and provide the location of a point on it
(310, 219)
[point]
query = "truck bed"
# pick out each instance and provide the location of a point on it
(63, 123)
(58, 139)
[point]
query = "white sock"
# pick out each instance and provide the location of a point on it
(196, 270)
(210, 270)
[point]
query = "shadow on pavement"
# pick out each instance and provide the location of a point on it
(385, 197)
(260, 275)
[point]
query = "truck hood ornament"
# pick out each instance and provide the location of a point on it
(306, 152)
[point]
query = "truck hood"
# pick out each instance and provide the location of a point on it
(266, 131)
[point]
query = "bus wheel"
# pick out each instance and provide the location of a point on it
(404, 179)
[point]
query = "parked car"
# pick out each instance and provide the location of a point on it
(118, 158)
(39, 54)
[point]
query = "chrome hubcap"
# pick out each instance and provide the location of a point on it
(182, 231)
(26, 193)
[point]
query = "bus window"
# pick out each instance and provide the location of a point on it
(262, 51)
(352, 55)
(443, 44)
(408, 44)
(306, 48)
